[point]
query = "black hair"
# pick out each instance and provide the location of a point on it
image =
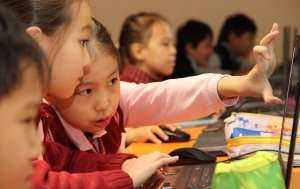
(15, 46)
(238, 24)
(193, 32)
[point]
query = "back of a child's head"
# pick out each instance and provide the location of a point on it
(238, 24)
(101, 41)
(15, 47)
(136, 29)
(193, 32)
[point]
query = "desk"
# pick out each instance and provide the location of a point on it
(145, 148)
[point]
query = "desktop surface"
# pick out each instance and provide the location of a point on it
(145, 148)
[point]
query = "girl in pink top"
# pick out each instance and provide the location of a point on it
(101, 102)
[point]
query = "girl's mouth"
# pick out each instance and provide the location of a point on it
(102, 123)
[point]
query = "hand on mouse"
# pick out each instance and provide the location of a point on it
(143, 168)
(143, 134)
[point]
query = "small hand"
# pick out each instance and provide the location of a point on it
(142, 134)
(142, 168)
(258, 83)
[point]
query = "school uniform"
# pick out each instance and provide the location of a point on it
(62, 157)
(143, 104)
(132, 73)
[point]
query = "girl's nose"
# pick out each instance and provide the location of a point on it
(86, 62)
(102, 102)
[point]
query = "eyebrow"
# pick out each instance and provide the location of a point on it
(87, 27)
(114, 72)
(89, 82)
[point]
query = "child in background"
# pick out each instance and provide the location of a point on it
(62, 28)
(147, 55)
(94, 117)
(234, 45)
(23, 76)
(194, 48)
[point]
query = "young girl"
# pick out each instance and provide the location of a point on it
(23, 75)
(94, 117)
(62, 29)
(148, 55)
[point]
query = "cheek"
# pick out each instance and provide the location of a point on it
(15, 164)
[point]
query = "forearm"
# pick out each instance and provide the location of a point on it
(231, 86)
(43, 177)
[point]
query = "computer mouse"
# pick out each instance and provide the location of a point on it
(176, 136)
(188, 156)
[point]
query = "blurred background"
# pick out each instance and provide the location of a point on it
(264, 12)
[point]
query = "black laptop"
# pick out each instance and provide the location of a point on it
(200, 176)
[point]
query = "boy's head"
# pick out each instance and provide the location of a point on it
(96, 98)
(238, 32)
(146, 40)
(195, 39)
(23, 74)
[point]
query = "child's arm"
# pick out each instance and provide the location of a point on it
(75, 161)
(44, 177)
(194, 97)
(255, 83)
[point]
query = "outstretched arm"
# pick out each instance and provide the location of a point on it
(255, 83)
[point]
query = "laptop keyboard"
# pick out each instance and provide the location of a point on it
(201, 176)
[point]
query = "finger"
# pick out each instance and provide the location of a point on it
(270, 99)
(160, 133)
(171, 127)
(165, 161)
(154, 139)
(274, 27)
(262, 51)
(269, 37)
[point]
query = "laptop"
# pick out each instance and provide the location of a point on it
(200, 176)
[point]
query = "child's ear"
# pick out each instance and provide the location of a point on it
(137, 51)
(35, 32)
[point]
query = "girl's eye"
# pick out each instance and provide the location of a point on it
(83, 42)
(85, 92)
(113, 81)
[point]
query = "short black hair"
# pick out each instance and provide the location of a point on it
(238, 24)
(193, 32)
(15, 45)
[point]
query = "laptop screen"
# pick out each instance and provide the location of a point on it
(290, 116)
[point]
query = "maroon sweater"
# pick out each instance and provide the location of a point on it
(132, 73)
(65, 166)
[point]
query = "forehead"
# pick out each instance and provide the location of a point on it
(102, 66)
(161, 29)
(81, 16)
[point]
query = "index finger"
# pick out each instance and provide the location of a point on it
(270, 36)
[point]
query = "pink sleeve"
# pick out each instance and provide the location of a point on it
(172, 100)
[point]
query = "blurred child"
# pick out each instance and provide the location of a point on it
(23, 75)
(148, 55)
(194, 48)
(95, 116)
(62, 28)
(235, 43)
